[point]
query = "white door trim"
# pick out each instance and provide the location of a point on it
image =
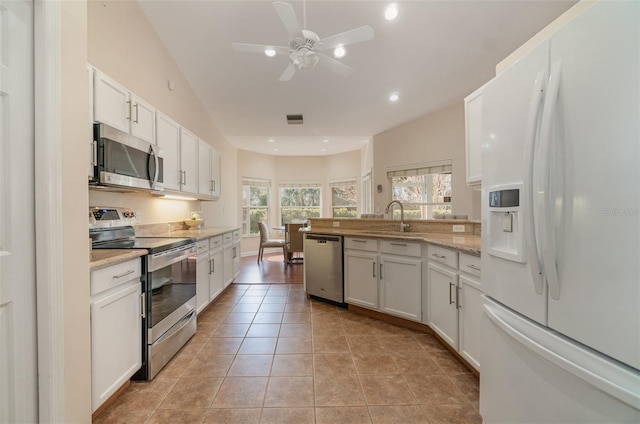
(48, 198)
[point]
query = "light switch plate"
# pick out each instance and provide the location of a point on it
(458, 228)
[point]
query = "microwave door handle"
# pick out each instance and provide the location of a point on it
(152, 153)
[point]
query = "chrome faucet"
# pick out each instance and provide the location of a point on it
(403, 227)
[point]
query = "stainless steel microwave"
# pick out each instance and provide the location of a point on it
(123, 161)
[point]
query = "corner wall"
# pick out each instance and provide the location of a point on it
(434, 137)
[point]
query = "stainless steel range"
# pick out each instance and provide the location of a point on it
(169, 284)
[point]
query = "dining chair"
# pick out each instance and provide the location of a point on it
(265, 241)
(294, 240)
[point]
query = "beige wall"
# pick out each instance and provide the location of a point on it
(75, 255)
(435, 137)
(123, 44)
(317, 169)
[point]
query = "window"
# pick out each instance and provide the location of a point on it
(367, 204)
(299, 202)
(344, 199)
(255, 204)
(425, 190)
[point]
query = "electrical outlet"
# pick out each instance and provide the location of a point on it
(336, 223)
(458, 228)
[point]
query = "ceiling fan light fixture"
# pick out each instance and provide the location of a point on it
(304, 59)
(339, 51)
(270, 52)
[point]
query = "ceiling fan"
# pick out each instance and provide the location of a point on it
(305, 48)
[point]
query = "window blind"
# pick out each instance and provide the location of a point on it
(421, 169)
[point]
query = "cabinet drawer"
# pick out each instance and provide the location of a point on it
(227, 237)
(400, 247)
(215, 242)
(370, 245)
(236, 235)
(470, 264)
(112, 276)
(444, 256)
(202, 245)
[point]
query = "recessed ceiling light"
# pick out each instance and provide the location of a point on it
(271, 140)
(394, 97)
(339, 51)
(365, 141)
(275, 150)
(391, 12)
(326, 140)
(323, 150)
(270, 52)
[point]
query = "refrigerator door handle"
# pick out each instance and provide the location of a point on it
(545, 205)
(530, 140)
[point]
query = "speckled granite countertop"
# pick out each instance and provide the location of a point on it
(199, 234)
(466, 243)
(105, 257)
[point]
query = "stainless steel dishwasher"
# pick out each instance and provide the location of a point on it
(323, 267)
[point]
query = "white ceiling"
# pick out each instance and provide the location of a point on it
(434, 54)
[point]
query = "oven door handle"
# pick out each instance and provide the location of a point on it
(176, 328)
(163, 259)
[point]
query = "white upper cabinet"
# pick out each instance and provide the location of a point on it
(168, 135)
(188, 162)
(208, 170)
(115, 106)
(143, 123)
(473, 136)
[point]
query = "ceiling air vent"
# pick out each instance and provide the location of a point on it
(294, 119)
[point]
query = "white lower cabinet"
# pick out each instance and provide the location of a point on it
(384, 275)
(209, 271)
(116, 328)
(360, 278)
(454, 300)
(443, 312)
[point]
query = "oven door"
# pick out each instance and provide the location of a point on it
(171, 288)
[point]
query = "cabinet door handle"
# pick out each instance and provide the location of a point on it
(374, 268)
(380, 271)
(129, 105)
(477, 268)
(185, 177)
(131, 271)
(213, 266)
(143, 305)
(94, 153)
(234, 252)
(450, 295)
(458, 305)
(136, 107)
(438, 256)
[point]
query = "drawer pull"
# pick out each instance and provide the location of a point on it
(438, 256)
(477, 268)
(398, 244)
(131, 271)
(358, 241)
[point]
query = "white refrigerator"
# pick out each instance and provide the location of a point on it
(561, 227)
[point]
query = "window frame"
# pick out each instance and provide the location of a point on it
(247, 209)
(429, 209)
(351, 182)
(299, 185)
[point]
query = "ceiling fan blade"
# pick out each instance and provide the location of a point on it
(259, 48)
(356, 35)
(288, 73)
(335, 66)
(288, 16)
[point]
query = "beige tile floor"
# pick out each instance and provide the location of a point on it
(266, 354)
